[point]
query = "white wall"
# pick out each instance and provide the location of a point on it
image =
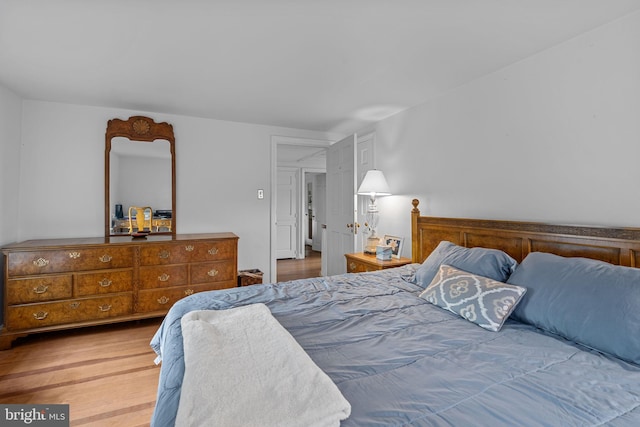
(10, 120)
(553, 138)
(142, 181)
(219, 167)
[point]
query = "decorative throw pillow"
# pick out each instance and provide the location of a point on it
(491, 263)
(590, 302)
(483, 301)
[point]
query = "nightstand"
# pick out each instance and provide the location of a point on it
(361, 262)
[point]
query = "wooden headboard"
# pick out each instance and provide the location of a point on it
(619, 246)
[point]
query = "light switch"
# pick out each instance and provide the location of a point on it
(260, 194)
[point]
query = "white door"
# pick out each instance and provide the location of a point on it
(365, 162)
(319, 209)
(310, 216)
(341, 203)
(287, 213)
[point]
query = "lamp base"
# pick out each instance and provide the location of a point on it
(370, 247)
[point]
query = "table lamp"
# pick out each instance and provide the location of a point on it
(374, 184)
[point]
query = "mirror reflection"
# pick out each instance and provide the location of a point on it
(140, 178)
(140, 175)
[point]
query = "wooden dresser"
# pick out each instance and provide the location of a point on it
(68, 283)
(360, 263)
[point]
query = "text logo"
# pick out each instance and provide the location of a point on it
(34, 415)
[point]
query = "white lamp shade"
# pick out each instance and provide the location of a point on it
(375, 184)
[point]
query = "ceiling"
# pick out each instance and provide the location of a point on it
(327, 65)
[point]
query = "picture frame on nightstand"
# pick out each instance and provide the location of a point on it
(396, 244)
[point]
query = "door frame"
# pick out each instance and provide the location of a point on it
(275, 141)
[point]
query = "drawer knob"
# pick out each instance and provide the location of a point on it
(189, 248)
(352, 266)
(41, 315)
(40, 289)
(74, 255)
(188, 292)
(105, 307)
(163, 300)
(41, 262)
(74, 305)
(105, 258)
(105, 283)
(213, 272)
(164, 277)
(164, 254)
(213, 251)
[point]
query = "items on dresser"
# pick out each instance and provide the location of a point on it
(384, 252)
(68, 283)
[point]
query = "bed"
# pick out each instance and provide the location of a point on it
(564, 350)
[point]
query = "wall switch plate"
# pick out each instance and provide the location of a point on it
(260, 194)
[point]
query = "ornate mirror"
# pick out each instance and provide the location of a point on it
(140, 173)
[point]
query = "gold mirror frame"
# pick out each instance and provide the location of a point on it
(138, 129)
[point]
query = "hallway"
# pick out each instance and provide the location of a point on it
(290, 269)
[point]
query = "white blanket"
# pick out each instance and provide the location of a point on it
(242, 368)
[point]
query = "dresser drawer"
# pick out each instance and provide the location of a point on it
(56, 313)
(214, 250)
(55, 261)
(173, 253)
(354, 266)
(205, 272)
(104, 282)
(163, 276)
(360, 263)
(103, 307)
(194, 251)
(46, 288)
(163, 299)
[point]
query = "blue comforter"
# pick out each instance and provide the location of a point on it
(401, 361)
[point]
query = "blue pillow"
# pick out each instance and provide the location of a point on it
(483, 301)
(490, 263)
(590, 302)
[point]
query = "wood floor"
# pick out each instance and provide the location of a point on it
(290, 269)
(106, 374)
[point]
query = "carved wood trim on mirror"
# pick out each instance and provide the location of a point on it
(147, 131)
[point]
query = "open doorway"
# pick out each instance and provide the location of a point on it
(309, 266)
(308, 263)
(297, 194)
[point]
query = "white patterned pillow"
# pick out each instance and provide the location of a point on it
(480, 300)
